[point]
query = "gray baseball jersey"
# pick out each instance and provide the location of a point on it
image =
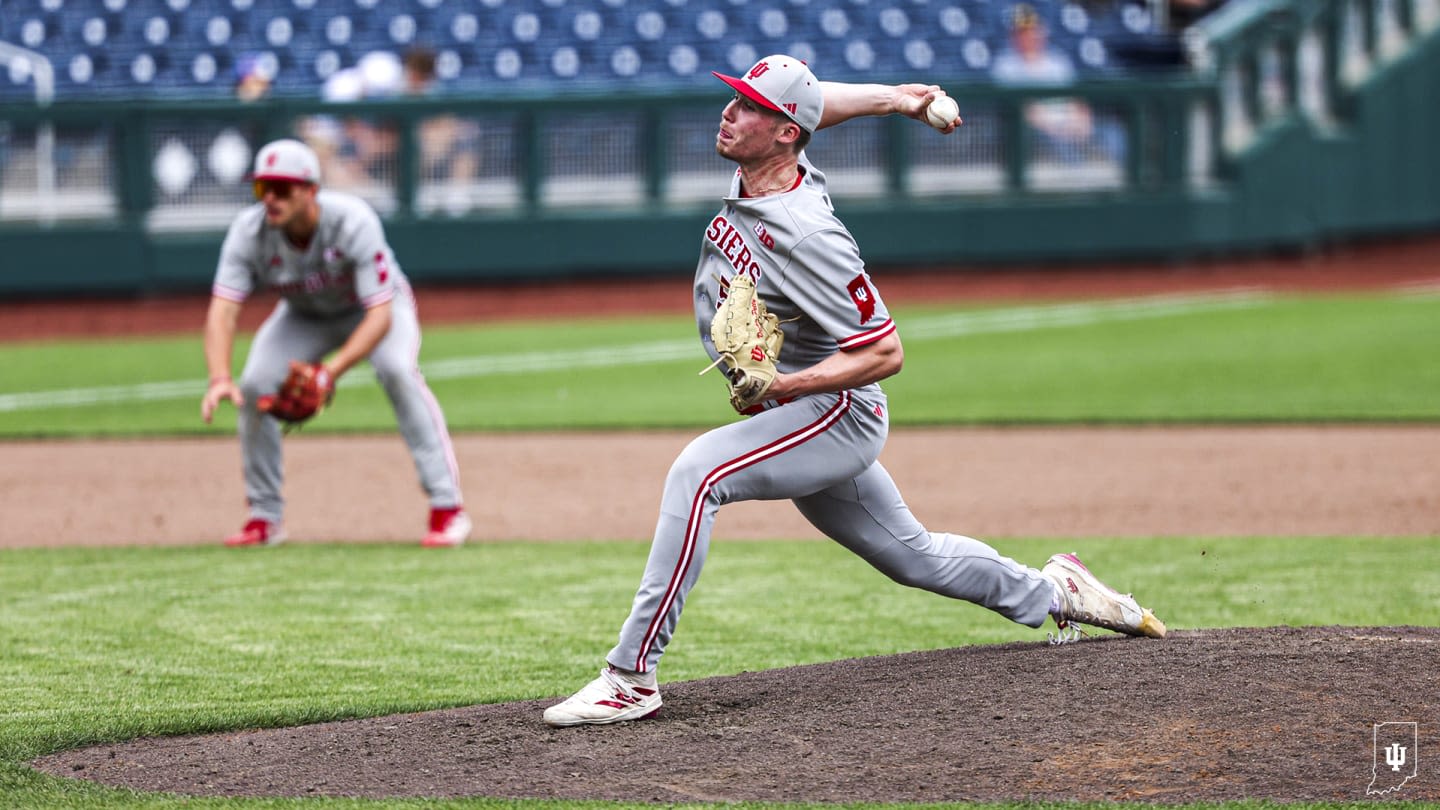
(325, 289)
(346, 268)
(818, 451)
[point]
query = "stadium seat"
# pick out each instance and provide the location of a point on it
(184, 48)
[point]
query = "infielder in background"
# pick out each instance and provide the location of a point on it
(342, 291)
(815, 437)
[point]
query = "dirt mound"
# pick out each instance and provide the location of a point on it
(1278, 713)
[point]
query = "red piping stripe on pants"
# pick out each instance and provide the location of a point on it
(697, 508)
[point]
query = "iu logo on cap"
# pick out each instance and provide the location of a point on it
(759, 70)
(270, 160)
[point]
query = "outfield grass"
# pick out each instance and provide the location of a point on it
(110, 644)
(1365, 358)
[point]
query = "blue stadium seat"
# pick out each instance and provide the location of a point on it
(682, 62)
(739, 56)
(338, 31)
(645, 26)
(37, 32)
(831, 21)
(976, 54)
(1090, 55)
(1072, 18)
(775, 24)
(205, 70)
(709, 55)
(625, 62)
(277, 31)
(403, 28)
(217, 30)
(311, 66)
(801, 49)
(92, 30)
(860, 56)
(710, 25)
(86, 74)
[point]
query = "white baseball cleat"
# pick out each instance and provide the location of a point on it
(448, 527)
(614, 697)
(1084, 599)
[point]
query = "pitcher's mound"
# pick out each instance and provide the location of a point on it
(1277, 713)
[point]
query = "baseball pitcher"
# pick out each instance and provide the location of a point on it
(776, 257)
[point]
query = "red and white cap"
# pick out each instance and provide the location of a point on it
(287, 159)
(783, 84)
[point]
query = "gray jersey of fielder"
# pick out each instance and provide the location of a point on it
(325, 289)
(818, 451)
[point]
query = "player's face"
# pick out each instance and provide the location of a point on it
(747, 130)
(283, 199)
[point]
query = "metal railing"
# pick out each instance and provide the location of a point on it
(22, 62)
(1275, 60)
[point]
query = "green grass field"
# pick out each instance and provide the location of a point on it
(1195, 359)
(109, 644)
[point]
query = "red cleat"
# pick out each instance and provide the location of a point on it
(448, 527)
(257, 532)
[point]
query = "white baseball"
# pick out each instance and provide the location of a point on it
(942, 112)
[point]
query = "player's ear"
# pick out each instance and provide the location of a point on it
(789, 131)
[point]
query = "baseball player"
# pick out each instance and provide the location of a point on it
(341, 291)
(816, 436)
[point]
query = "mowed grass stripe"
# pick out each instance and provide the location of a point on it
(921, 328)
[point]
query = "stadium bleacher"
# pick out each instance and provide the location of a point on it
(190, 48)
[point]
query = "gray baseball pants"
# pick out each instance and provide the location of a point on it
(819, 452)
(287, 335)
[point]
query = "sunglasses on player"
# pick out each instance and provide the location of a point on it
(280, 188)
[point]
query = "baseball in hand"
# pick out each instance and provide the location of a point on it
(942, 112)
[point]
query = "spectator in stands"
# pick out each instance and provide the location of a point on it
(356, 152)
(449, 146)
(252, 78)
(419, 69)
(1067, 128)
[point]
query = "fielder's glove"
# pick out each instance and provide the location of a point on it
(306, 390)
(748, 339)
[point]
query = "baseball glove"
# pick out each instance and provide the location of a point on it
(748, 339)
(306, 390)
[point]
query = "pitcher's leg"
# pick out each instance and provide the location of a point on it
(868, 516)
(797, 449)
(677, 554)
(396, 361)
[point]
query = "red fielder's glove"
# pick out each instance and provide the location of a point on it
(306, 390)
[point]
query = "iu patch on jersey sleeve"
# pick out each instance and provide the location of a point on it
(863, 297)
